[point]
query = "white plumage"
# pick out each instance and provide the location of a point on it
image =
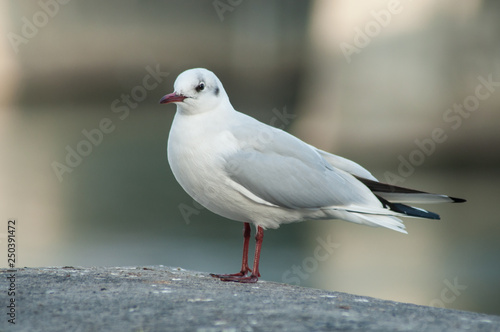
(247, 171)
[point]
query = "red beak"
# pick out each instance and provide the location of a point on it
(172, 98)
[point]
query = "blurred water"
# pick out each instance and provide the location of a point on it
(120, 206)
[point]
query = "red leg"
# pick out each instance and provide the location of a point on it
(244, 262)
(246, 240)
(259, 237)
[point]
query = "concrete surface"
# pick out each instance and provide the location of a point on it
(159, 298)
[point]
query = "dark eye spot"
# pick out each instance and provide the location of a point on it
(216, 91)
(200, 87)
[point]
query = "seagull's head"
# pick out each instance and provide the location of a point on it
(197, 90)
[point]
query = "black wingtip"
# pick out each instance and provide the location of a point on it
(410, 211)
(414, 212)
(458, 200)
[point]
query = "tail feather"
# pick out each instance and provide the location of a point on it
(391, 199)
(389, 222)
(375, 220)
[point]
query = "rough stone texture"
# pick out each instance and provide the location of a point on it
(158, 298)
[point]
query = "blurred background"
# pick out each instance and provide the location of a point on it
(408, 89)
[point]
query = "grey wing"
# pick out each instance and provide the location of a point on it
(346, 165)
(289, 173)
(389, 192)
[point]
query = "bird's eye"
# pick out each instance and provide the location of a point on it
(200, 87)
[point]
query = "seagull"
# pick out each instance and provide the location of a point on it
(247, 171)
